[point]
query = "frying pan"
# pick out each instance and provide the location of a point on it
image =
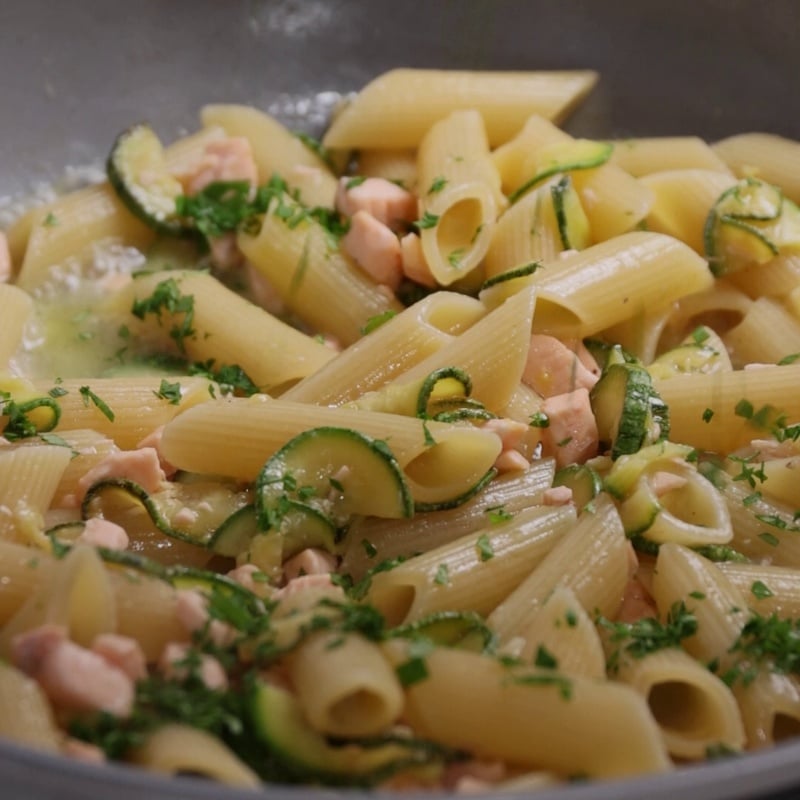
(76, 73)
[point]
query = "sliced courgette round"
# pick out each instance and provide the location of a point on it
(628, 411)
(585, 483)
(464, 630)
(337, 472)
(565, 157)
(573, 224)
(138, 173)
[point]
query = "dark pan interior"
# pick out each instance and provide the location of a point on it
(76, 73)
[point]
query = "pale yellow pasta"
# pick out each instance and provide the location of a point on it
(511, 492)
(644, 156)
(17, 307)
(683, 199)
(87, 449)
(561, 726)
(175, 749)
(80, 598)
(397, 108)
(29, 477)
(495, 373)
(766, 334)
(184, 156)
(641, 334)
(720, 609)
(24, 570)
(693, 707)
(688, 396)
(314, 280)
(780, 478)
(578, 295)
(134, 402)
(765, 156)
(474, 572)
(276, 150)
(525, 232)
(230, 330)
(235, 438)
(777, 278)
(781, 595)
(770, 707)
(66, 231)
(359, 693)
(394, 347)
(763, 529)
(592, 560)
(459, 192)
(566, 632)
(25, 713)
(612, 200)
(398, 166)
(693, 513)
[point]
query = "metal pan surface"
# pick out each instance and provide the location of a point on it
(75, 74)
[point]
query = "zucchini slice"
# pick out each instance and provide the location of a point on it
(629, 412)
(573, 224)
(701, 352)
(585, 483)
(125, 502)
(749, 224)
(279, 725)
(335, 472)
(138, 173)
(565, 157)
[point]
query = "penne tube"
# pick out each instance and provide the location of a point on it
(563, 630)
(359, 694)
(693, 707)
(771, 158)
(536, 720)
(25, 713)
(402, 342)
(175, 749)
(398, 166)
(223, 327)
(578, 295)
(766, 334)
(683, 199)
(312, 277)
(644, 156)
(475, 572)
(236, 437)
(397, 108)
(768, 589)
(136, 405)
(460, 196)
(688, 396)
(371, 541)
(592, 560)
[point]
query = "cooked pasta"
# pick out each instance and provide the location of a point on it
(409, 467)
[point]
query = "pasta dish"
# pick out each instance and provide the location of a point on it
(448, 452)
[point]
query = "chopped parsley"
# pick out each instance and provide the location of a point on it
(355, 181)
(769, 539)
(50, 221)
(171, 392)
(90, 397)
(761, 590)
(437, 184)
(231, 377)
(772, 641)
(498, 514)
(374, 322)
(18, 424)
(427, 220)
(454, 258)
(167, 297)
(484, 547)
(700, 335)
(708, 414)
(539, 420)
(544, 658)
(412, 671)
(790, 359)
(648, 635)
(442, 577)
(429, 440)
(369, 548)
(560, 682)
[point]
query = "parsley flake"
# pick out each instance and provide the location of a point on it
(89, 396)
(171, 392)
(427, 220)
(484, 547)
(438, 183)
(761, 590)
